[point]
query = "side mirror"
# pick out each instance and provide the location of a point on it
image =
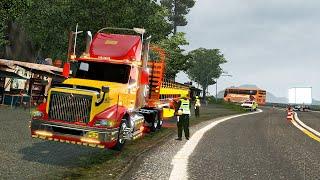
(66, 70)
(144, 79)
(89, 40)
(105, 89)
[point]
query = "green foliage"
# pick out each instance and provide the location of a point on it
(211, 99)
(178, 9)
(9, 11)
(205, 66)
(175, 58)
(48, 23)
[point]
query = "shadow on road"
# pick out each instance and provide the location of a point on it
(170, 123)
(59, 154)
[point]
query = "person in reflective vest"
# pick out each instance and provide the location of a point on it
(197, 107)
(183, 114)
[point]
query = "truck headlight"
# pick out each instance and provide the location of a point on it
(104, 123)
(37, 114)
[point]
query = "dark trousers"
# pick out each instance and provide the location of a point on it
(183, 124)
(197, 111)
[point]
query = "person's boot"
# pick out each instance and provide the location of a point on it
(187, 138)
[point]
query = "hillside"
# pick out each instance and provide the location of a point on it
(270, 97)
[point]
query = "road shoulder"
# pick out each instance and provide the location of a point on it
(156, 163)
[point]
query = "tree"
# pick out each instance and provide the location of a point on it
(175, 58)
(178, 9)
(205, 66)
(48, 23)
(10, 10)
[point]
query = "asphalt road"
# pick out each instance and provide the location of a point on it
(311, 119)
(22, 157)
(259, 146)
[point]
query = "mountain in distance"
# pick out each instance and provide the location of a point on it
(270, 97)
(221, 93)
(274, 99)
(315, 102)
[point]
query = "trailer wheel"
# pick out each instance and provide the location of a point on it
(155, 122)
(121, 140)
(159, 124)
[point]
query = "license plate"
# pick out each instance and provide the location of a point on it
(92, 134)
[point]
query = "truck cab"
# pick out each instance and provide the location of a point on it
(103, 102)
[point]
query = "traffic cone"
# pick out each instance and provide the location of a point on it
(290, 116)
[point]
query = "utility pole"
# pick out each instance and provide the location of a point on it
(217, 89)
(225, 74)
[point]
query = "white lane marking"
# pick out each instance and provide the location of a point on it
(281, 109)
(180, 160)
(305, 126)
(315, 111)
(297, 125)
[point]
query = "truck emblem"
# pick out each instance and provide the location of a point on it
(110, 42)
(71, 96)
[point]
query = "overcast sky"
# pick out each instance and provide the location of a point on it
(274, 44)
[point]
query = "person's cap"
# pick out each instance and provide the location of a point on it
(48, 61)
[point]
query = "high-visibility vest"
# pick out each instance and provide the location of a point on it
(185, 106)
(198, 102)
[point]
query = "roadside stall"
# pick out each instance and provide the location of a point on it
(23, 83)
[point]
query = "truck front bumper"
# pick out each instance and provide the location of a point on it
(74, 134)
(247, 107)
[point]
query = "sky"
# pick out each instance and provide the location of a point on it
(274, 44)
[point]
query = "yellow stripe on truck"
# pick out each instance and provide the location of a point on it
(168, 113)
(173, 91)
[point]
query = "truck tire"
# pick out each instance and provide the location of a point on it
(155, 122)
(121, 141)
(160, 120)
(159, 124)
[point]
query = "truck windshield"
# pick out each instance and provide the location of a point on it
(102, 71)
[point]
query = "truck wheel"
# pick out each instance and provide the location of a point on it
(159, 124)
(121, 141)
(160, 120)
(155, 122)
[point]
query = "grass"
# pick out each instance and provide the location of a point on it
(109, 164)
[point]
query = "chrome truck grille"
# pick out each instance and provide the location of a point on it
(70, 107)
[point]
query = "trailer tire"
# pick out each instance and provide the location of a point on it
(155, 122)
(121, 141)
(159, 124)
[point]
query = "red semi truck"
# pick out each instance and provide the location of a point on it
(112, 94)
